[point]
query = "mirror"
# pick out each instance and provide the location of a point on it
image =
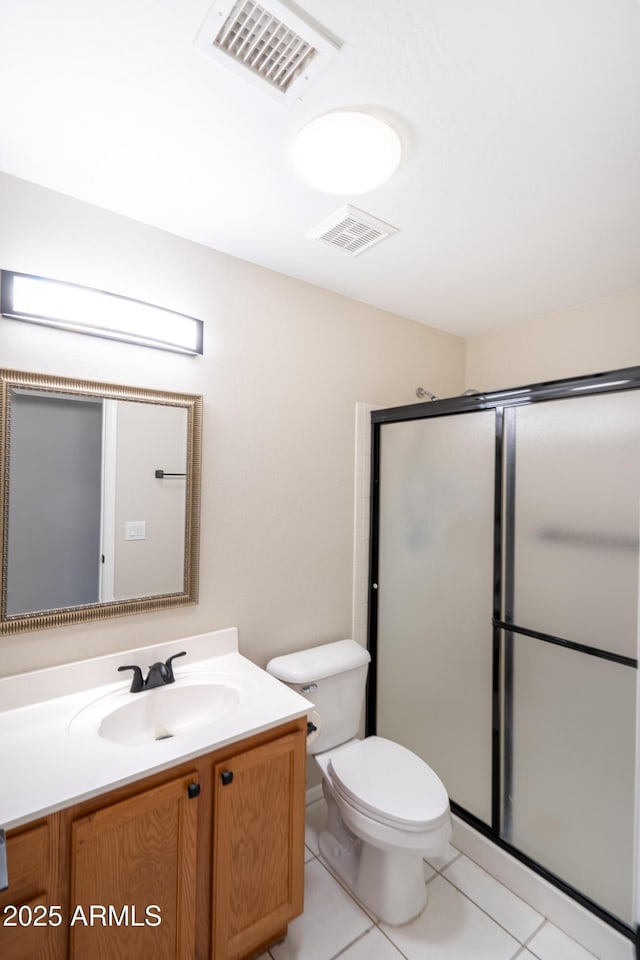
(100, 500)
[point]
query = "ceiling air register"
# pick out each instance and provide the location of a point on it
(267, 44)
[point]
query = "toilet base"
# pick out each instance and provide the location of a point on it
(389, 883)
(343, 860)
(394, 890)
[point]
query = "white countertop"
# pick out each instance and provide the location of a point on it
(46, 766)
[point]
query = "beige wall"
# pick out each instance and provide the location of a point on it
(284, 365)
(149, 435)
(600, 335)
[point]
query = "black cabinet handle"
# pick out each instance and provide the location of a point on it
(226, 777)
(193, 790)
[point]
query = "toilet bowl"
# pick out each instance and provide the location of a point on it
(395, 811)
(386, 808)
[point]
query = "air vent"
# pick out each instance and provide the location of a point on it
(351, 230)
(267, 44)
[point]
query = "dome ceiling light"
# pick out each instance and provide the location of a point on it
(346, 152)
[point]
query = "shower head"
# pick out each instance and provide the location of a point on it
(422, 393)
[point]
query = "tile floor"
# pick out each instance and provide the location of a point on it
(469, 916)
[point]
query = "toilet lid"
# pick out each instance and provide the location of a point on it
(390, 782)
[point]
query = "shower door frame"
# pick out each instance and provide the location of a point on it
(503, 579)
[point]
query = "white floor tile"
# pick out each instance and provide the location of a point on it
(308, 854)
(439, 863)
(331, 920)
(512, 913)
(452, 928)
(372, 946)
(315, 822)
(552, 944)
(601, 939)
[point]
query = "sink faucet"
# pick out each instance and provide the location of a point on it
(160, 674)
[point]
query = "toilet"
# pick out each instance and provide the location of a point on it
(387, 809)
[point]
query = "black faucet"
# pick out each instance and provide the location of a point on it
(160, 674)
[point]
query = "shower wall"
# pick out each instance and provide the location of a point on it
(504, 617)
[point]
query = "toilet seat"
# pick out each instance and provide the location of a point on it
(389, 784)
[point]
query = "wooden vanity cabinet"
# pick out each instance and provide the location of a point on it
(216, 843)
(28, 928)
(258, 815)
(133, 876)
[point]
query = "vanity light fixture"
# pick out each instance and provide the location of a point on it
(69, 306)
(346, 152)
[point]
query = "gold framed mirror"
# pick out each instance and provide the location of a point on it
(99, 500)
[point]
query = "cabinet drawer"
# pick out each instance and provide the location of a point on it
(24, 941)
(27, 863)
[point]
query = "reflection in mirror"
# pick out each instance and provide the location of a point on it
(100, 505)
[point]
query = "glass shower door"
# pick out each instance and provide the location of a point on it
(435, 596)
(504, 620)
(571, 583)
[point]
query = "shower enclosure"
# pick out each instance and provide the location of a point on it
(504, 618)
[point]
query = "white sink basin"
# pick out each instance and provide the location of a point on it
(167, 712)
(158, 714)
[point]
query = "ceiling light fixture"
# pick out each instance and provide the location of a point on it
(346, 152)
(69, 306)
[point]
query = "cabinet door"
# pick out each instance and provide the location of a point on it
(134, 876)
(28, 930)
(258, 845)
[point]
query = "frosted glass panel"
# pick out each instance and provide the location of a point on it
(573, 769)
(435, 597)
(576, 519)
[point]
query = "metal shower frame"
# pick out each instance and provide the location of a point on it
(503, 567)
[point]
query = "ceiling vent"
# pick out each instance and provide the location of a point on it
(267, 44)
(351, 230)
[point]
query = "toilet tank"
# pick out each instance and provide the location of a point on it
(333, 677)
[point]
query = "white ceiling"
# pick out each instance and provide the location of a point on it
(519, 190)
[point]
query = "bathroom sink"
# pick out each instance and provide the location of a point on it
(158, 714)
(167, 712)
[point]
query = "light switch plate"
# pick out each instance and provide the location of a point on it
(135, 530)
